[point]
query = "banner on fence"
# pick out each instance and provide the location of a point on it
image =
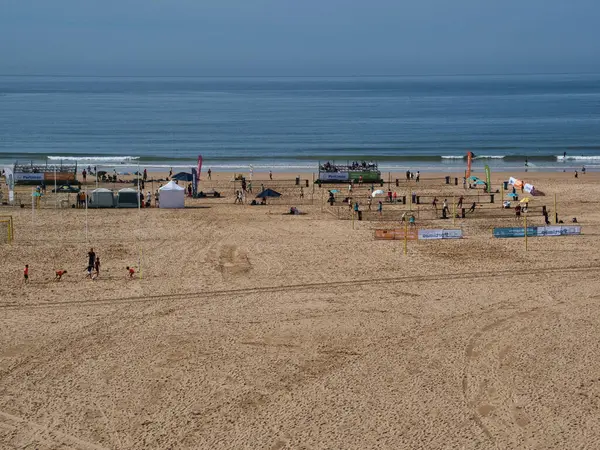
(559, 230)
(514, 232)
(440, 234)
(414, 234)
(563, 230)
(29, 176)
(333, 176)
(398, 234)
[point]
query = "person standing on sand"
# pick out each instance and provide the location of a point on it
(84, 174)
(369, 201)
(170, 172)
(576, 174)
(301, 192)
(380, 208)
(145, 176)
(91, 262)
(96, 268)
(418, 176)
(270, 175)
(434, 203)
(26, 274)
(209, 172)
(460, 202)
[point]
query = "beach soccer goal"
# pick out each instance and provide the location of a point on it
(6, 229)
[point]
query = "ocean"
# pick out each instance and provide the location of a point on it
(290, 124)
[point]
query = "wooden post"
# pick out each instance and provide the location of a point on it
(405, 237)
(502, 195)
(525, 226)
(555, 211)
(353, 219)
(453, 211)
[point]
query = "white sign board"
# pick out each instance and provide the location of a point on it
(333, 176)
(440, 234)
(22, 176)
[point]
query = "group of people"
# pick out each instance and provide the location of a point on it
(355, 165)
(92, 269)
(412, 176)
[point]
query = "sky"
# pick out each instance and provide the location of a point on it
(298, 37)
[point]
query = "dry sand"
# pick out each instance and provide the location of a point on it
(254, 329)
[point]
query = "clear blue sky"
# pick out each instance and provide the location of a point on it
(298, 37)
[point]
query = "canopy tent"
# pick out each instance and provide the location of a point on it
(480, 182)
(102, 198)
(182, 176)
(473, 178)
(268, 193)
(128, 198)
(171, 195)
(511, 195)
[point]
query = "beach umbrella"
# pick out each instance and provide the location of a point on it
(377, 192)
(268, 193)
(526, 200)
(473, 178)
(334, 191)
(511, 195)
(480, 182)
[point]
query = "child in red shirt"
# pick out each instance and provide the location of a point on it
(26, 273)
(131, 271)
(59, 274)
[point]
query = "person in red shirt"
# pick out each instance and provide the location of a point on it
(131, 271)
(26, 273)
(59, 274)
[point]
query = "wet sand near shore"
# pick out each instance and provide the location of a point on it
(246, 327)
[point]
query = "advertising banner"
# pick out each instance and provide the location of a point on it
(199, 165)
(559, 230)
(440, 234)
(60, 176)
(397, 234)
(194, 182)
(514, 232)
(10, 178)
(469, 162)
(556, 230)
(488, 178)
(367, 177)
(22, 176)
(333, 176)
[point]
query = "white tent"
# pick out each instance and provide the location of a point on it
(171, 195)
(102, 198)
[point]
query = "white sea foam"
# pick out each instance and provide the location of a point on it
(577, 158)
(490, 157)
(452, 157)
(101, 159)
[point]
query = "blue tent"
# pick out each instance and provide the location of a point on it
(268, 193)
(511, 195)
(473, 178)
(182, 176)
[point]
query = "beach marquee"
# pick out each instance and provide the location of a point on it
(519, 232)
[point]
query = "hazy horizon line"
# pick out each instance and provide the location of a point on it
(431, 75)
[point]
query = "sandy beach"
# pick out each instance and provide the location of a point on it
(246, 327)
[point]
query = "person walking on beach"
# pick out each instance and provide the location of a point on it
(380, 208)
(445, 207)
(418, 176)
(576, 174)
(270, 175)
(209, 172)
(145, 176)
(301, 192)
(91, 262)
(26, 274)
(96, 268)
(460, 202)
(84, 175)
(369, 201)
(408, 175)
(170, 172)
(59, 274)
(434, 203)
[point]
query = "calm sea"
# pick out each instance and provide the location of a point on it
(418, 123)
